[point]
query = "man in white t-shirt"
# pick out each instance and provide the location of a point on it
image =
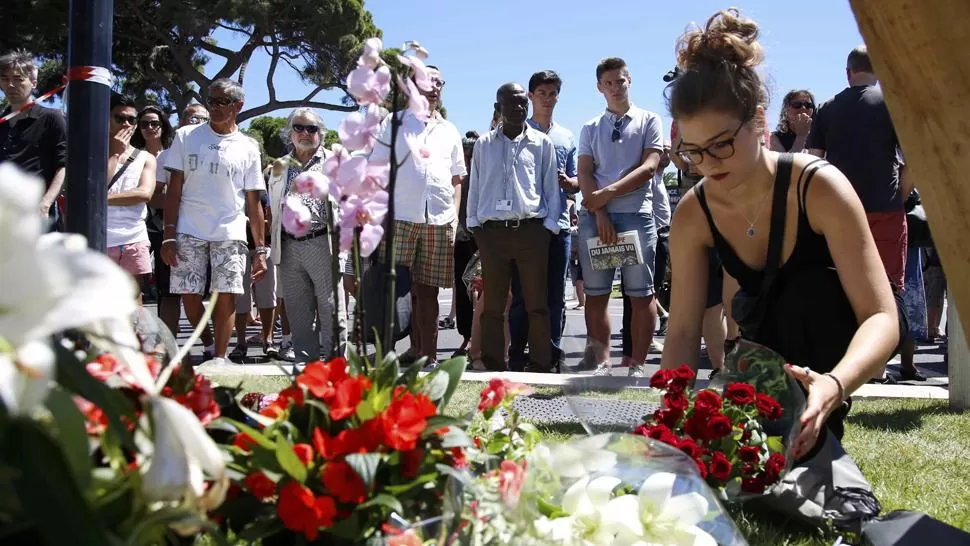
(130, 186)
(215, 183)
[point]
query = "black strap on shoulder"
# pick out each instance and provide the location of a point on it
(779, 211)
(808, 172)
(702, 199)
(124, 167)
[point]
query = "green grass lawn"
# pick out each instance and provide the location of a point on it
(913, 452)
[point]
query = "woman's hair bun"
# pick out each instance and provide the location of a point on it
(728, 37)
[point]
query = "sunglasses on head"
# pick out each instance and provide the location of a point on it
(150, 124)
(796, 104)
(125, 120)
(219, 101)
(617, 125)
(308, 129)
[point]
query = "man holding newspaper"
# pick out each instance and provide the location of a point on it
(619, 152)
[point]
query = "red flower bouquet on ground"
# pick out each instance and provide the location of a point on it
(724, 432)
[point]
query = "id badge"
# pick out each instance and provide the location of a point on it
(503, 204)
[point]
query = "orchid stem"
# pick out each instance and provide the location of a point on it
(359, 329)
(390, 310)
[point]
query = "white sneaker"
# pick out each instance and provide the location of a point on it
(431, 365)
(656, 347)
(603, 369)
(636, 370)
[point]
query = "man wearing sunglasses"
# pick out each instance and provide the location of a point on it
(215, 184)
(619, 152)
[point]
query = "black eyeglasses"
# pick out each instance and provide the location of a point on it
(308, 129)
(195, 120)
(149, 124)
(617, 125)
(125, 120)
(219, 101)
(719, 150)
(796, 104)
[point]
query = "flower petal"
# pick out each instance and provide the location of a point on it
(687, 510)
(656, 490)
(600, 490)
(574, 500)
(622, 515)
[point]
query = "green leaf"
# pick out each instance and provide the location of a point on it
(261, 419)
(72, 434)
(460, 476)
(387, 501)
(73, 376)
(454, 368)
(549, 510)
(387, 373)
(261, 527)
(46, 487)
(288, 460)
(156, 523)
(776, 444)
(405, 487)
(455, 437)
(365, 465)
(325, 409)
(437, 387)
(366, 410)
(348, 528)
(439, 421)
(258, 437)
(354, 361)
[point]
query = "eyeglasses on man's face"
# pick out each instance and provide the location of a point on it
(723, 149)
(214, 102)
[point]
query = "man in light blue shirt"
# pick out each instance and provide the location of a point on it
(619, 152)
(544, 88)
(513, 207)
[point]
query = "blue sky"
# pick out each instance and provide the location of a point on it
(480, 45)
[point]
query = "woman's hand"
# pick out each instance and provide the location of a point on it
(824, 396)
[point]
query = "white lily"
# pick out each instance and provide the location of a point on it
(25, 377)
(654, 517)
(585, 502)
(581, 458)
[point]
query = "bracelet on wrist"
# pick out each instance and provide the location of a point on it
(838, 383)
(168, 241)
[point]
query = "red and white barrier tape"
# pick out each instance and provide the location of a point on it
(94, 74)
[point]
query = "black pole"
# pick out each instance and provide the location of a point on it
(89, 44)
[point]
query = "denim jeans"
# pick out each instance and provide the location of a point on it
(519, 321)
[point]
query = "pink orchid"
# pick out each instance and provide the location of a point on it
(296, 216)
(369, 86)
(366, 214)
(359, 130)
(350, 175)
(419, 51)
(376, 178)
(419, 150)
(371, 56)
(338, 154)
(313, 183)
(421, 73)
(417, 103)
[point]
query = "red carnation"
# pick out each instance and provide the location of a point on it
(347, 396)
(304, 452)
(768, 407)
(720, 467)
(750, 454)
(299, 510)
(322, 379)
(707, 402)
(343, 482)
(260, 485)
(754, 485)
(718, 427)
(659, 379)
(740, 394)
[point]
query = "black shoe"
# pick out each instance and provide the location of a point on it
(409, 357)
(911, 375)
(887, 380)
(662, 330)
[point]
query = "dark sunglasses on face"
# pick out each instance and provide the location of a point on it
(308, 129)
(796, 104)
(125, 120)
(617, 125)
(219, 101)
(150, 124)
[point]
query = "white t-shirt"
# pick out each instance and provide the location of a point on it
(219, 170)
(162, 175)
(126, 224)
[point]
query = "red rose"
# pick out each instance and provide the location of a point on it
(343, 482)
(667, 417)
(348, 395)
(405, 419)
(684, 373)
(201, 400)
(304, 452)
(749, 469)
(243, 441)
(321, 379)
(701, 468)
(300, 511)
(260, 485)
(774, 466)
(659, 379)
(740, 394)
(696, 426)
(690, 447)
(746, 436)
(675, 401)
(707, 402)
(663, 434)
(754, 485)
(720, 467)
(750, 454)
(768, 407)
(411, 462)
(718, 427)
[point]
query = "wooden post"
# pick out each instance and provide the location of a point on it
(958, 362)
(920, 55)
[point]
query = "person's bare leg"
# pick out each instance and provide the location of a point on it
(268, 317)
(580, 294)
(415, 336)
(475, 345)
(907, 350)
(642, 323)
(170, 312)
(428, 310)
(242, 322)
(193, 311)
(222, 319)
(714, 329)
(598, 326)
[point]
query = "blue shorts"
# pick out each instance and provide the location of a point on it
(637, 279)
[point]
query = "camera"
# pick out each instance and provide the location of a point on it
(672, 75)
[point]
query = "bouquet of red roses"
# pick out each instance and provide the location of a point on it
(727, 433)
(342, 450)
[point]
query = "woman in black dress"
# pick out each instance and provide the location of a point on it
(836, 328)
(797, 110)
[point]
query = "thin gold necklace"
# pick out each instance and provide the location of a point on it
(751, 231)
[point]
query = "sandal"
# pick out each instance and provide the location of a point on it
(446, 323)
(459, 352)
(239, 353)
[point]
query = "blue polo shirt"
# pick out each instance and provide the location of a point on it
(566, 158)
(613, 159)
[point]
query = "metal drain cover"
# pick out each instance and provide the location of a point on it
(595, 411)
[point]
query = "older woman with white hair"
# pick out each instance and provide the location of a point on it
(305, 277)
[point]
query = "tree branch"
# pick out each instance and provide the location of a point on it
(235, 61)
(307, 102)
(234, 29)
(183, 61)
(274, 59)
(213, 48)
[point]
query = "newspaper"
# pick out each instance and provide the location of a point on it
(625, 252)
